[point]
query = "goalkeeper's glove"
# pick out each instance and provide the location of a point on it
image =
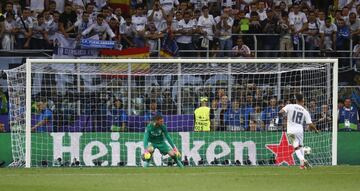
(177, 153)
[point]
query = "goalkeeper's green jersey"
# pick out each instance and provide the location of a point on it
(156, 135)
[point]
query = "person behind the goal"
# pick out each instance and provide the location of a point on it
(296, 115)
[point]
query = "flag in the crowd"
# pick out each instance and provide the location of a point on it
(169, 47)
(140, 68)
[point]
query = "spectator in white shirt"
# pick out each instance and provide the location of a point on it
(8, 39)
(152, 37)
(206, 24)
(298, 24)
(24, 25)
(119, 17)
(39, 37)
(168, 5)
(38, 5)
(83, 24)
(100, 28)
(186, 28)
(139, 22)
(156, 15)
(224, 25)
(328, 36)
(52, 28)
(127, 33)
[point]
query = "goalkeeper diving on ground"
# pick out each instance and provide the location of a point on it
(157, 134)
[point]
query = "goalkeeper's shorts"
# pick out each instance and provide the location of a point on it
(163, 147)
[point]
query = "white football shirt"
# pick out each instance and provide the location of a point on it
(296, 115)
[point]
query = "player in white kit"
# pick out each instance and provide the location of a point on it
(296, 116)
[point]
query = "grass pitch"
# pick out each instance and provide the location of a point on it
(188, 179)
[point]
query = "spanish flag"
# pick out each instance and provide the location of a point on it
(122, 69)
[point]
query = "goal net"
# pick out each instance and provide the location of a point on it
(93, 112)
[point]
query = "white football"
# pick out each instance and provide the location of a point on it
(307, 150)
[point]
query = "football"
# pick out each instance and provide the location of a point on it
(307, 150)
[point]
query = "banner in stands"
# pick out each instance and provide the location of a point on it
(112, 148)
(348, 144)
(75, 52)
(93, 43)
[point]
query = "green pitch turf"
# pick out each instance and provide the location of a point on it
(189, 179)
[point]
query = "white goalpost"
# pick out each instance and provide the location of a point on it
(93, 112)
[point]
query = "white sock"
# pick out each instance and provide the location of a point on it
(300, 155)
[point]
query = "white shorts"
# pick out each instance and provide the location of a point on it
(296, 139)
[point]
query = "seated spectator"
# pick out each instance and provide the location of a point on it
(348, 117)
(44, 122)
(119, 117)
(66, 22)
(8, 40)
(100, 29)
(24, 26)
(152, 111)
(186, 28)
(234, 117)
(240, 49)
(270, 115)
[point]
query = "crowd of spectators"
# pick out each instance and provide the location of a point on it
(247, 108)
(225, 26)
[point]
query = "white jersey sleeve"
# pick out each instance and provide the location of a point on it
(307, 118)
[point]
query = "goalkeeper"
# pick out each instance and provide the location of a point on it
(156, 133)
